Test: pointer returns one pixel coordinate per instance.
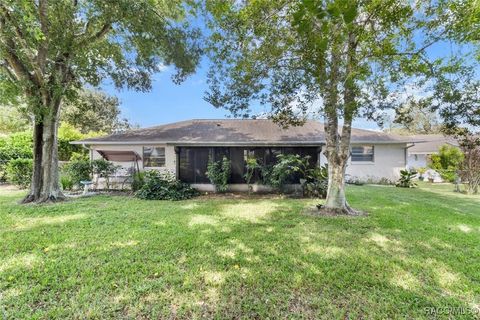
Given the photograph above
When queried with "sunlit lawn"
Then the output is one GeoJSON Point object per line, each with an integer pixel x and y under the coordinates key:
{"type": "Point", "coordinates": [118, 257]}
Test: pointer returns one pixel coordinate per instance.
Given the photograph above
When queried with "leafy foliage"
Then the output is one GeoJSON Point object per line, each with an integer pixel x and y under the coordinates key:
{"type": "Point", "coordinates": [164, 186]}
{"type": "Point", "coordinates": [447, 162]}
{"type": "Point", "coordinates": [406, 179]}
{"type": "Point", "coordinates": [13, 119]}
{"type": "Point", "coordinates": [219, 172]}
{"type": "Point", "coordinates": [415, 116]}
{"type": "Point", "coordinates": [104, 169]}
{"type": "Point", "coordinates": [252, 166]}
{"type": "Point", "coordinates": [51, 49]}
{"type": "Point", "coordinates": [338, 59]}
{"type": "Point", "coordinates": [287, 166]}
{"type": "Point", "coordinates": [316, 185]}
{"type": "Point", "coordinates": [19, 172]}
{"type": "Point", "coordinates": [66, 182]}
{"type": "Point", "coordinates": [76, 171]}
{"type": "Point", "coordinates": [94, 111]}
{"type": "Point", "coordinates": [138, 181]}
{"type": "Point", "coordinates": [14, 146]}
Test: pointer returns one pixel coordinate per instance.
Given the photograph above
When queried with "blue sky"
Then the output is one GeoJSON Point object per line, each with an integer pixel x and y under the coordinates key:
{"type": "Point", "coordinates": [168, 102]}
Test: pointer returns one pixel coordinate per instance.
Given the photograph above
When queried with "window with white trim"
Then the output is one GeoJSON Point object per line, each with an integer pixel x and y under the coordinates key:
{"type": "Point", "coordinates": [153, 157]}
{"type": "Point", "coordinates": [362, 153]}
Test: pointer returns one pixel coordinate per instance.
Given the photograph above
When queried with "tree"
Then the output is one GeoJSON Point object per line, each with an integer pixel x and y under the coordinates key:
{"type": "Point", "coordinates": [12, 119]}
{"type": "Point", "coordinates": [341, 59]}
{"type": "Point", "coordinates": [415, 116]}
{"type": "Point", "coordinates": [94, 111]}
{"type": "Point", "coordinates": [447, 162]}
{"type": "Point", "coordinates": [470, 167]}
{"type": "Point", "coordinates": [49, 49]}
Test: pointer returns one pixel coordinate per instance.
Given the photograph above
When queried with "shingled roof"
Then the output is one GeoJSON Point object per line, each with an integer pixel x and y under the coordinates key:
{"type": "Point", "coordinates": [230, 132]}
{"type": "Point", "coordinates": [430, 143]}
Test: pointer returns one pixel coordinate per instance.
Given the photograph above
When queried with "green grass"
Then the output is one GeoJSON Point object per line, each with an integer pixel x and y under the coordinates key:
{"type": "Point", "coordinates": [118, 257]}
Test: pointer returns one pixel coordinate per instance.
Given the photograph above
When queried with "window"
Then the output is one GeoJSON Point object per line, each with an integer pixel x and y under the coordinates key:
{"type": "Point", "coordinates": [362, 153]}
{"type": "Point", "coordinates": [153, 157]}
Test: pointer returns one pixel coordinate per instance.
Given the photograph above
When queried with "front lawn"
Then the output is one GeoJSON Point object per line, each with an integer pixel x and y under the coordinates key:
{"type": "Point", "coordinates": [118, 257]}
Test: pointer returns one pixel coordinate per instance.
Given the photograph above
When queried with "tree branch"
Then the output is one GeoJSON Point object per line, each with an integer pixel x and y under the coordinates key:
{"type": "Point", "coordinates": [11, 48]}
{"type": "Point", "coordinates": [43, 47]}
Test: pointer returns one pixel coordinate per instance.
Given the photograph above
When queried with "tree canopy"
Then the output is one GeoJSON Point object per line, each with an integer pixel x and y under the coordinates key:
{"type": "Point", "coordinates": [94, 110]}
{"type": "Point", "coordinates": [338, 59]}
{"type": "Point", "coordinates": [49, 49]}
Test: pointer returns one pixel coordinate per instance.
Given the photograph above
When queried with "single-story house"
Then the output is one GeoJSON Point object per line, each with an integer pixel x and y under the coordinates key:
{"type": "Point", "coordinates": [420, 153]}
{"type": "Point", "coordinates": [184, 148]}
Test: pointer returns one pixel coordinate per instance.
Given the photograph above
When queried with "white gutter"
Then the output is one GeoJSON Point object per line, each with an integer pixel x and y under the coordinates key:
{"type": "Point", "coordinates": [226, 144]}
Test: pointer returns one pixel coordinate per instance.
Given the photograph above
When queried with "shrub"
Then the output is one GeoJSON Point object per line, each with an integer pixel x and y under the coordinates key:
{"type": "Point", "coordinates": [104, 169]}
{"type": "Point", "coordinates": [447, 162]}
{"type": "Point", "coordinates": [14, 146]}
{"type": "Point", "coordinates": [219, 172]}
{"type": "Point", "coordinates": [164, 186]}
{"type": "Point", "coordinates": [286, 168]}
{"type": "Point", "coordinates": [66, 182]}
{"type": "Point", "coordinates": [19, 172]}
{"type": "Point", "coordinates": [251, 165]}
{"type": "Point", "coordinates": [66, 134]}
{"type": "Point", "coordinates": [138, 180]}
{"type": "Point", "coordinates": [77, 170]}
{"type": "Point", "coordinates": [406, 179]}
{"type": "Point", "coordinates": [316, 184]}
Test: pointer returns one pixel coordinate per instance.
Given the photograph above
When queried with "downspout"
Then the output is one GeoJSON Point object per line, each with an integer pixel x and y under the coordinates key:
{"type": "Point", "coordinates": [406, 152]}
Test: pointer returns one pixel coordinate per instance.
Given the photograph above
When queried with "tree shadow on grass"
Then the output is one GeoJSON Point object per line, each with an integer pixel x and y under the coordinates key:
{"type": "Point", "coordinates": [213, 259]}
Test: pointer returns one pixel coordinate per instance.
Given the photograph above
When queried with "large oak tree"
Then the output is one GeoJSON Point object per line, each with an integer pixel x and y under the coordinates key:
{"type": "Point", "coordinates": [338, 58]}
{"type": "Point", "coordinates": [50, 48]}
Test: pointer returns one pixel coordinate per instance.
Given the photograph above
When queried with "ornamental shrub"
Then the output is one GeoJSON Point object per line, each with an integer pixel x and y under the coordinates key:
{"type": "Point", "coordinates": [406, 179]}
{"type": "Point", "coordinates": [76, 171]}
{"type": "Point", "coordinates": [104, 169]}
{"type": "Point", "coordinates": [19, 172]}
{"type": "Point", "coordinates": [447, 162]}
{"type": "Point", "coordinates": [219, 172]}
{"type": "Point", "coordinates": [164, 186]}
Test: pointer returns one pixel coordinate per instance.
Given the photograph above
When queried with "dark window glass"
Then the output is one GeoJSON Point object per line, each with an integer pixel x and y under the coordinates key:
{"type": "Point", "coordinates": [362, 153]}
{"type": "Point", "coordinates": [153, 157]}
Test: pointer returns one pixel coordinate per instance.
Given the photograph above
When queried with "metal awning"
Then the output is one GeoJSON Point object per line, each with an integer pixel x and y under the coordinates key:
{"type": "Point", "coordinates": [119, 156]}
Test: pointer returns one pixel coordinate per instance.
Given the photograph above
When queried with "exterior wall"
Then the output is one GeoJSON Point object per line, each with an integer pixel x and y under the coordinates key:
{"type": "Point", "coordinates": [243, 187]}
{"type": "Point", "coordinates": [417, 160]}
{"type": "Point", "coordinates": [121, 179]}
{"type": "Point", "coordinates": [170, 157]}
{"type": "Point", "coordinates": [388, 160]}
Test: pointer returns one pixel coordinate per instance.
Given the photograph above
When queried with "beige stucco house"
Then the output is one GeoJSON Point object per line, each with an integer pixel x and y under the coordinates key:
{"type": "Point", "coordinates": [184, 148]}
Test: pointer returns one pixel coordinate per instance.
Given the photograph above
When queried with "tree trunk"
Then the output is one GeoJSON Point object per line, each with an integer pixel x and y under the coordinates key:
{"type": "Point", "coordinates": [336, 201]}
{"type": "Point", "coordinates": [338, 145]}
{"type": "Point", "coordinates": [336, 198]}
{"type": "Point", "coordinates": [45, 182]}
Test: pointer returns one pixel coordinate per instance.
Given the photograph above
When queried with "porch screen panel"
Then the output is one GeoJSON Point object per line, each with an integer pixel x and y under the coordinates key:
{"type": "Point", "coordinates": [237, 164]}
{"type": "Point", "coordinates": [201, 164]}
{"type": "Point", "coordinates": [186, 165]}
{"type": "Point", "coordinates": [193, 164]}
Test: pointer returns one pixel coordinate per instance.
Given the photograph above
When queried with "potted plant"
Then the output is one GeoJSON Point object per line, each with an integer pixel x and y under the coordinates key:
{"type": "Point", "coordinates": [421, 171]}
